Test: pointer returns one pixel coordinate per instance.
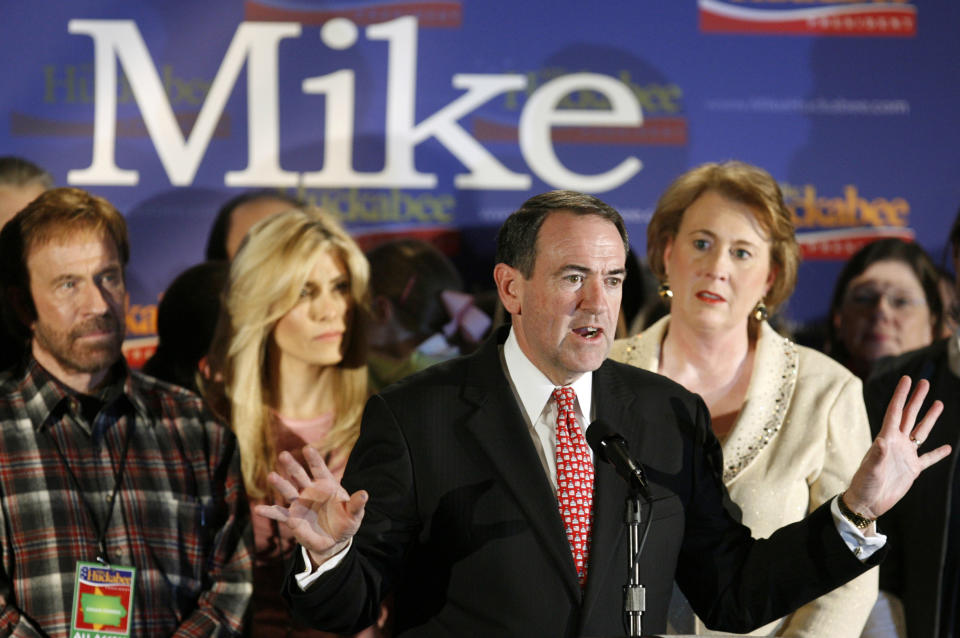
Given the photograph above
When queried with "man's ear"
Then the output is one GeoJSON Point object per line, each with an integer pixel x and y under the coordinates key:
{"type": "Point", "coordinates": [509, 287]}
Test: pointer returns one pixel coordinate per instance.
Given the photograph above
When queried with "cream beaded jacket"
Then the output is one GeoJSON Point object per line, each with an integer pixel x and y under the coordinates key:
{"type": "Point", "coordinates": [797, 441]}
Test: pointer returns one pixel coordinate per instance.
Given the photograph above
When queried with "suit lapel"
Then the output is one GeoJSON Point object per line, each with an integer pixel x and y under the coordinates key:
{"type": "Point", "coordinates": [501, 433]}
{"type": "Point", "coordinates": [942, 383]}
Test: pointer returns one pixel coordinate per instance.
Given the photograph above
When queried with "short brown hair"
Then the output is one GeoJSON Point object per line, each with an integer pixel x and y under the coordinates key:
{"type": "Point", "coordinates": [517, 237]}
{"type": "Point", "coordinates": [54, 215]}
{"type": "Point", "coordinates": [740, 182]}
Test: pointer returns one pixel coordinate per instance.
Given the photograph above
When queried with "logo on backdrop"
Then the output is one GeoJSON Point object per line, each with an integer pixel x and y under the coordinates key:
{"type": "Point", "coordinates": [664, 121]}
{"type": "Point", "coordinates": [833, 227]}
{"type": "Point", "coordinates": [879, 18]}
{"type": "Point", "coordinates": [256, 46]}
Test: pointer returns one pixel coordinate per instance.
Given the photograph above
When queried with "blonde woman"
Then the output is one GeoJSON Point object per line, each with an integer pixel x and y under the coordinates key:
{"type": "Point", "coordinates": [791, 421]}
{"type": "Point", "coordinates": [288, 363]}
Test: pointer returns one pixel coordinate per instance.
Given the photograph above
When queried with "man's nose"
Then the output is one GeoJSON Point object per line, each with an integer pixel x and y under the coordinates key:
{"type": "Point", "coordinates": [95, 300]}
{"type": "Point", "coordinates": [593, 297]}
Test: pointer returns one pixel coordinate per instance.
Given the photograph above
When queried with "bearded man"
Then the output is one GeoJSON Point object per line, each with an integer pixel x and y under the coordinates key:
{"type": "Point", "coordinates": [121, 500]}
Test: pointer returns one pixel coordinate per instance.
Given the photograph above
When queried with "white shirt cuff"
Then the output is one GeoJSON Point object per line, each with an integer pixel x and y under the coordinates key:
{"type": "Point", "coordinates": [863, 547]}
{"type": "Point", "coordinates": [308, 577]}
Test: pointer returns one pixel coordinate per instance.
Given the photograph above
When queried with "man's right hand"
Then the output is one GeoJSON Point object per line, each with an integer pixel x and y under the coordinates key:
{"type": "Point", "coordinates": [319, 512]}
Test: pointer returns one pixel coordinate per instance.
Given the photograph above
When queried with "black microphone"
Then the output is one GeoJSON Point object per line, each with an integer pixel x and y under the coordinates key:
{"type": "Point", "coordinates": [609, 446]}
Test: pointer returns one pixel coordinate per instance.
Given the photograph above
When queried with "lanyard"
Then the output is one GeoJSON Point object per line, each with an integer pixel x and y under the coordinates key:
{"type": "Point", "coordinates": [102, 557]}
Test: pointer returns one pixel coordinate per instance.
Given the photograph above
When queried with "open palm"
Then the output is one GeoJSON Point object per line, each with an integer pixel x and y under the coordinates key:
{"type": "Point", "coordinates": [319, 513]}
{"type": "Point", "coordinates": [893, 461]}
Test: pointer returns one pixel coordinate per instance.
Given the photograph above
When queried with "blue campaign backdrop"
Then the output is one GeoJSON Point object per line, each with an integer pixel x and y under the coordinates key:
{"type": "Point", "coordinates": [439, 118]}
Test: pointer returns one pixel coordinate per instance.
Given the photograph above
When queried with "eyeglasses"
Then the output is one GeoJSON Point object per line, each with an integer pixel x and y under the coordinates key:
{"type": "Point", "coordinates": [897, 300]}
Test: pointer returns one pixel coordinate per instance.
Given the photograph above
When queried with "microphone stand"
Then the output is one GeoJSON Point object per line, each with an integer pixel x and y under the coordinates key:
{"type": "Point", "coordinates": [634, 594]}
{"type": "Point", "coordinates": [612, 448]}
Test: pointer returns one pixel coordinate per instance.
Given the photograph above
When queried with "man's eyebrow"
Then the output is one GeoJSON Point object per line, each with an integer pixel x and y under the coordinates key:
{"type": "Point", "coordinates": [587, 271]}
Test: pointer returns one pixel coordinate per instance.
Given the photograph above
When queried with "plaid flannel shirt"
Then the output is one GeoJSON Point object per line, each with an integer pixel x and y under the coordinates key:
{"type": "Point", "coordinates": [181, 516]}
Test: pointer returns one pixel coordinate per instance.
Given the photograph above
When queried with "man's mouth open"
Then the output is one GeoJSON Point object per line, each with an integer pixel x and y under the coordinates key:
{"type": "Point", "coordinates": [588, 332]}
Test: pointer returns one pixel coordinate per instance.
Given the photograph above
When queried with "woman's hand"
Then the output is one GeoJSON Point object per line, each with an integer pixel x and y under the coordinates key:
{"type": "Point", "coordinates": [320, 514]}
{"type": "Point", "coordinates": [893, 462]}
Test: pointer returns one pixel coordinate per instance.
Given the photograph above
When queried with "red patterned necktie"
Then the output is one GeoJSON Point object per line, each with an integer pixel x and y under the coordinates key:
{"type": "Point", "coordinates": [574, 479]}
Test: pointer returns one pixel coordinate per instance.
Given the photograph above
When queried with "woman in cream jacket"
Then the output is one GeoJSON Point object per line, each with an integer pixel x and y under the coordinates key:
{"type": "Point", "coordinates": [791, 421]}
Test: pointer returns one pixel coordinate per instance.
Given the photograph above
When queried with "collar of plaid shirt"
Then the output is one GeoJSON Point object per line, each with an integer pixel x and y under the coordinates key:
{"type": "Point", "coordinates": [46, 398]}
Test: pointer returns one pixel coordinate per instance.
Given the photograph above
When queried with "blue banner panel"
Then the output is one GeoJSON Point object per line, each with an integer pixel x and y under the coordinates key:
{"type": "Point", "coordinates": [440, 118]}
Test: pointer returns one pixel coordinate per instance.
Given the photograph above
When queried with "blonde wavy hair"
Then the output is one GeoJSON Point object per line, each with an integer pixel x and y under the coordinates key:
{"type": "Point", "coordinates": [266, 278]}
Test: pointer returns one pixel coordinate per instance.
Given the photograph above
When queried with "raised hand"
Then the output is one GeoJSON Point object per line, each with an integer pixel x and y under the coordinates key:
{"type": "Point", "coordinates": [320, 514]}
{"type": "Point", "coordinates": [893, 462]}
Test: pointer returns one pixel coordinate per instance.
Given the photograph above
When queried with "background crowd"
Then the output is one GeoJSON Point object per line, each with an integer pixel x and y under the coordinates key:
{"type": "Point", "coordinates": [288, 327]}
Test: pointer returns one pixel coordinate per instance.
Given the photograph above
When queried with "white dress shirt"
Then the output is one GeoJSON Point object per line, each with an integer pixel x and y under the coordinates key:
{"type": "Point", "coordinates": [534, 392]}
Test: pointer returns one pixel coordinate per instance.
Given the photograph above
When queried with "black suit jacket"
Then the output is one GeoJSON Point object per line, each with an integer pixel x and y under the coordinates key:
{"type": "Point", "coordinates": [918, 526]}
{"type": "Point", "coordinates": [463, 526]}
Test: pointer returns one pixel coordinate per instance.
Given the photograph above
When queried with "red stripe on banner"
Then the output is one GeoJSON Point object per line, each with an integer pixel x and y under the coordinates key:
{"type": "Point", "coordinates": [137, 351]}
{"type": "Point", "coordinates": [445, 240]}
{"type": "Point", "coordinates": [886, 23]}
{"type": "Point", "coordinates": [440, 14]}
{"type": "Point", "coordinates": [655, 131]}
{"type": "Point", "coordinates": [844, 243]}
{"type": "Point", "coordinates": [24, 125]}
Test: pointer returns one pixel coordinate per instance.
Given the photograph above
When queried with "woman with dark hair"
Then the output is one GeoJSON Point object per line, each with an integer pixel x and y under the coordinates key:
{"type": "Point", "coordinates": [886, 302]}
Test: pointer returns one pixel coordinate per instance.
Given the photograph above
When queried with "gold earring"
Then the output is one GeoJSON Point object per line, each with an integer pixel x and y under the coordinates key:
{"type": "Point", "coordinates": [664, 291]}
{"type": "Point", "coordinates": [760, 311]}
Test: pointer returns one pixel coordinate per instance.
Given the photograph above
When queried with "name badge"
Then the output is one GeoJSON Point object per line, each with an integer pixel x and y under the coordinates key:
{"type": "Point", "coordinates": [102, 600]}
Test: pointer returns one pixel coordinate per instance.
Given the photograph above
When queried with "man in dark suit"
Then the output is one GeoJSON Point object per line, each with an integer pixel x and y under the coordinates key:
{"type": "Point", "coordinates": [460, 485]}
{"type": "Point", "coordinates": [923, 567]}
